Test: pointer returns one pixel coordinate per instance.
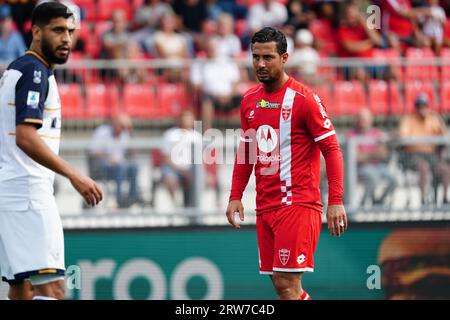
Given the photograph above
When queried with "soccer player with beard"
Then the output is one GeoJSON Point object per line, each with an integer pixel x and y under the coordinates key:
{"type": "Point", "coordinates": [31, 233]}
{"type": "Point", "coordinates": [285, 126]}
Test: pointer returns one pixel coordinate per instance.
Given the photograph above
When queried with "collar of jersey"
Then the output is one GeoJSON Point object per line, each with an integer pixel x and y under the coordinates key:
{"type": "Point", "coordinates": [280, 89]}
{"type": "Point", "coordinates": [39, 57]}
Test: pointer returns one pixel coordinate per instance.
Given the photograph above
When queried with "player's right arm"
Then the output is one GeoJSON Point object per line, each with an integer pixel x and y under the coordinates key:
{"type": "Point", "coordinates": [30, 98]}
{"type": "Point", "coordinates": [243, 167]}
{"type": "Point", "coordinates": [28, 140]}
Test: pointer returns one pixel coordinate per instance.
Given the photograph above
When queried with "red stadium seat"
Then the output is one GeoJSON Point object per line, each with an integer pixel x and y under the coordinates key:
{"type": "Point", "coordinates": [326, 70]}
{"type": "Point", "coordinates": [107, 7]}
{"type": "Point", "coordinates": [392, 58]}
{"type": "Point", "coordinates": [71, 101]}
{"type": "Point", "coordinates": [445, 68]}
{"type": "Point", "coordinates": [173, 98]}
{"type": "Point", "coordinates": [379, 97]}
{"type": "Point", "coordinates": [88, 9]}
{"type": "Point", "coordinates": [445, 96]}
{"type": "Point", "coordinates": [396, 103]}
{"type": "Point", "coordinates": [139, 100]}
{"type": "Point", "coordinates": [416, 68]}
{"type": "Point", "coordinates": [413, 89]}
{"type": "Point", "coordinates": [384, 97]}
{"type": "Point", "coordinates": [349, 97]}
{"type": "Point", "coordinates": [101, 100]}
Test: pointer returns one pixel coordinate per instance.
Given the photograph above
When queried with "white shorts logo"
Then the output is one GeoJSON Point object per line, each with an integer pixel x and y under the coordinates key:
{"type": "Point", "coordinates": [301, 258]}
{"type": "Point", "coordinates": [267, 138]}
{"type": "Point", "coordinates": [33, 99]}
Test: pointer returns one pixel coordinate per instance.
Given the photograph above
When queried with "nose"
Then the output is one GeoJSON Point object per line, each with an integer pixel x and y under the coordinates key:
{"type": "Point", "coordinates": [261, 63]}
{"type": "Point", "coordinates": [67, 38]}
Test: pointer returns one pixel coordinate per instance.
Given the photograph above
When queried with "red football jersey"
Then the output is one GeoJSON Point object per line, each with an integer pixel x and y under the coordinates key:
{"type": "Point", "coordinates": [392, 21]}
{"type": "Point", "coordinates": [283, 133]}
{"type": "Point", "coordinates": [354, 33]}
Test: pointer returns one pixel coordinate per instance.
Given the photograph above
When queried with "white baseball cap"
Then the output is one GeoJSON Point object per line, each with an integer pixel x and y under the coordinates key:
{"type": "Point", "coordinates": [304, 36]}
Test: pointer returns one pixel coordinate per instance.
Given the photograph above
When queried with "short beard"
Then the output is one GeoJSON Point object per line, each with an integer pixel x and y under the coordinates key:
{"type": "Point", "coordinates": [50, 55]}
{"type": "Point", "coordinates": [267, 80]}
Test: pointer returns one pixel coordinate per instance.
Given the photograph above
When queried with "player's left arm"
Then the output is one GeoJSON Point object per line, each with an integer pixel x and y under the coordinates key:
{"type": "Point", "coordinates": [323, 133]}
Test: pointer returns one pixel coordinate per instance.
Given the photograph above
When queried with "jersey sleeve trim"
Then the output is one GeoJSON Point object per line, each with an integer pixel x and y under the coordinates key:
{"type": "Point", "coordinates": [326, 135]}
{"type": "Point", "coordinates": [293, 270]}
{"type": "Point", "coordinates": [51, 109]}
{"type": "Point", "coordinates": [30, 120]}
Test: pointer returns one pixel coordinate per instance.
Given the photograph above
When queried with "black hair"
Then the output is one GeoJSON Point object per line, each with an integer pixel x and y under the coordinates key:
{"type": "Point", "coordinates": [47, 11]}
{"type": "Point", "coordinates": [269, 34]}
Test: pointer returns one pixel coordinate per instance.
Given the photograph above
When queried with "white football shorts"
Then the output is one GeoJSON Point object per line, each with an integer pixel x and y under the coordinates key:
{"type": "Point", "coordinates": [31, 240]}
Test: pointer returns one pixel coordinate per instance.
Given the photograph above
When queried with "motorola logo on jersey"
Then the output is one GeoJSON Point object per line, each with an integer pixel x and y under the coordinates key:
{"type": "Point", "coordinates": [267, 138]}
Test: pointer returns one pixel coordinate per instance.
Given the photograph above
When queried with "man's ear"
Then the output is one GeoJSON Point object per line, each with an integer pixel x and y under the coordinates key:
{"type": "Point", "coordinates": [284, 57]}
{"type": "Point", "coordinates": [36, 31]}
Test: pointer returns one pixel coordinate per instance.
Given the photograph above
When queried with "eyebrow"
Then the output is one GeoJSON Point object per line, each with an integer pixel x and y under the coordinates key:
{"type": "Point", "coordinates": [63, 27]}
{"type": "Point", "coordinates": [264, 54]}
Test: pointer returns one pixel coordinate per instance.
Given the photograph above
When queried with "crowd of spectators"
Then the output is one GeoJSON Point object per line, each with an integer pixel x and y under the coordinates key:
{"type": "Point", "coordinates": [402, 23]}
{"type": "Point", "coordinates": [179, 29]}
{"type": "Point", "coordinates": [220, 31]}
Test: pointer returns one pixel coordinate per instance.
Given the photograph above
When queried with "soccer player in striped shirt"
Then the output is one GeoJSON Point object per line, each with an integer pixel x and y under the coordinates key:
{"type": "Point", "coordinates": [31, 233]}
{"type": "Point", "coordinates": [285, 126]}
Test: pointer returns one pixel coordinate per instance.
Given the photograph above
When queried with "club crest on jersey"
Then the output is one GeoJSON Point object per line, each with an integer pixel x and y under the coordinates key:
{"type": "Point", "coordinates": [37, 77]}
{"type": "Point", "coordinates": [267, 105]}
{"type": "Point", "coordinates": [286, 113]}
{"type": "Point", "coordinates": [284, 256]}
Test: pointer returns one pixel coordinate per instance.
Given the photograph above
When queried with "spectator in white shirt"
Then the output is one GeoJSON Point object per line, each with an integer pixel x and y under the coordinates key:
{"type": "Point", "coordinates": [305, 58]}
{"type": "Point", "coordinates": [216, 81]}
{"type": "Point", "coordinates": [109, 158]}
{"type": "Point", "coordinates": [229, 44]}
{"type": "Point", "coordinates": [177, 150]}
{"type": "Point", "coordinates": [433, 20]}
{"type": "Point", "coordinates": [268, 13]}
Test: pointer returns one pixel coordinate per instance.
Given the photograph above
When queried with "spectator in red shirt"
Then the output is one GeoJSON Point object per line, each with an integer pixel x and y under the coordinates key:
{"type": "Point", "coordinates": [323, 28]}
{"type": "Point", "coordinates": [400, 25]}
{"type": "Point", "coordinates": [356, 40]}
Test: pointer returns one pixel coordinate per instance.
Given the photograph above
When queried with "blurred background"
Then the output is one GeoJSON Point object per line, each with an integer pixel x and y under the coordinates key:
{"type": "Point", "coordinates": [142, 71]}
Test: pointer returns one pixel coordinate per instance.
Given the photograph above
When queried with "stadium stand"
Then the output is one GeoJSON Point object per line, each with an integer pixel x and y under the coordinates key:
{"type": "Point", "coordinates": [92, 89]}
{"type": "Point", "coordinates": [349, 96]}
{"type": "Point", "coordinates": [139, 101]}
{"type": "Point", "coordinates": [72, 100]}
{"type": "Point", "coordinates": [102, 101]}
